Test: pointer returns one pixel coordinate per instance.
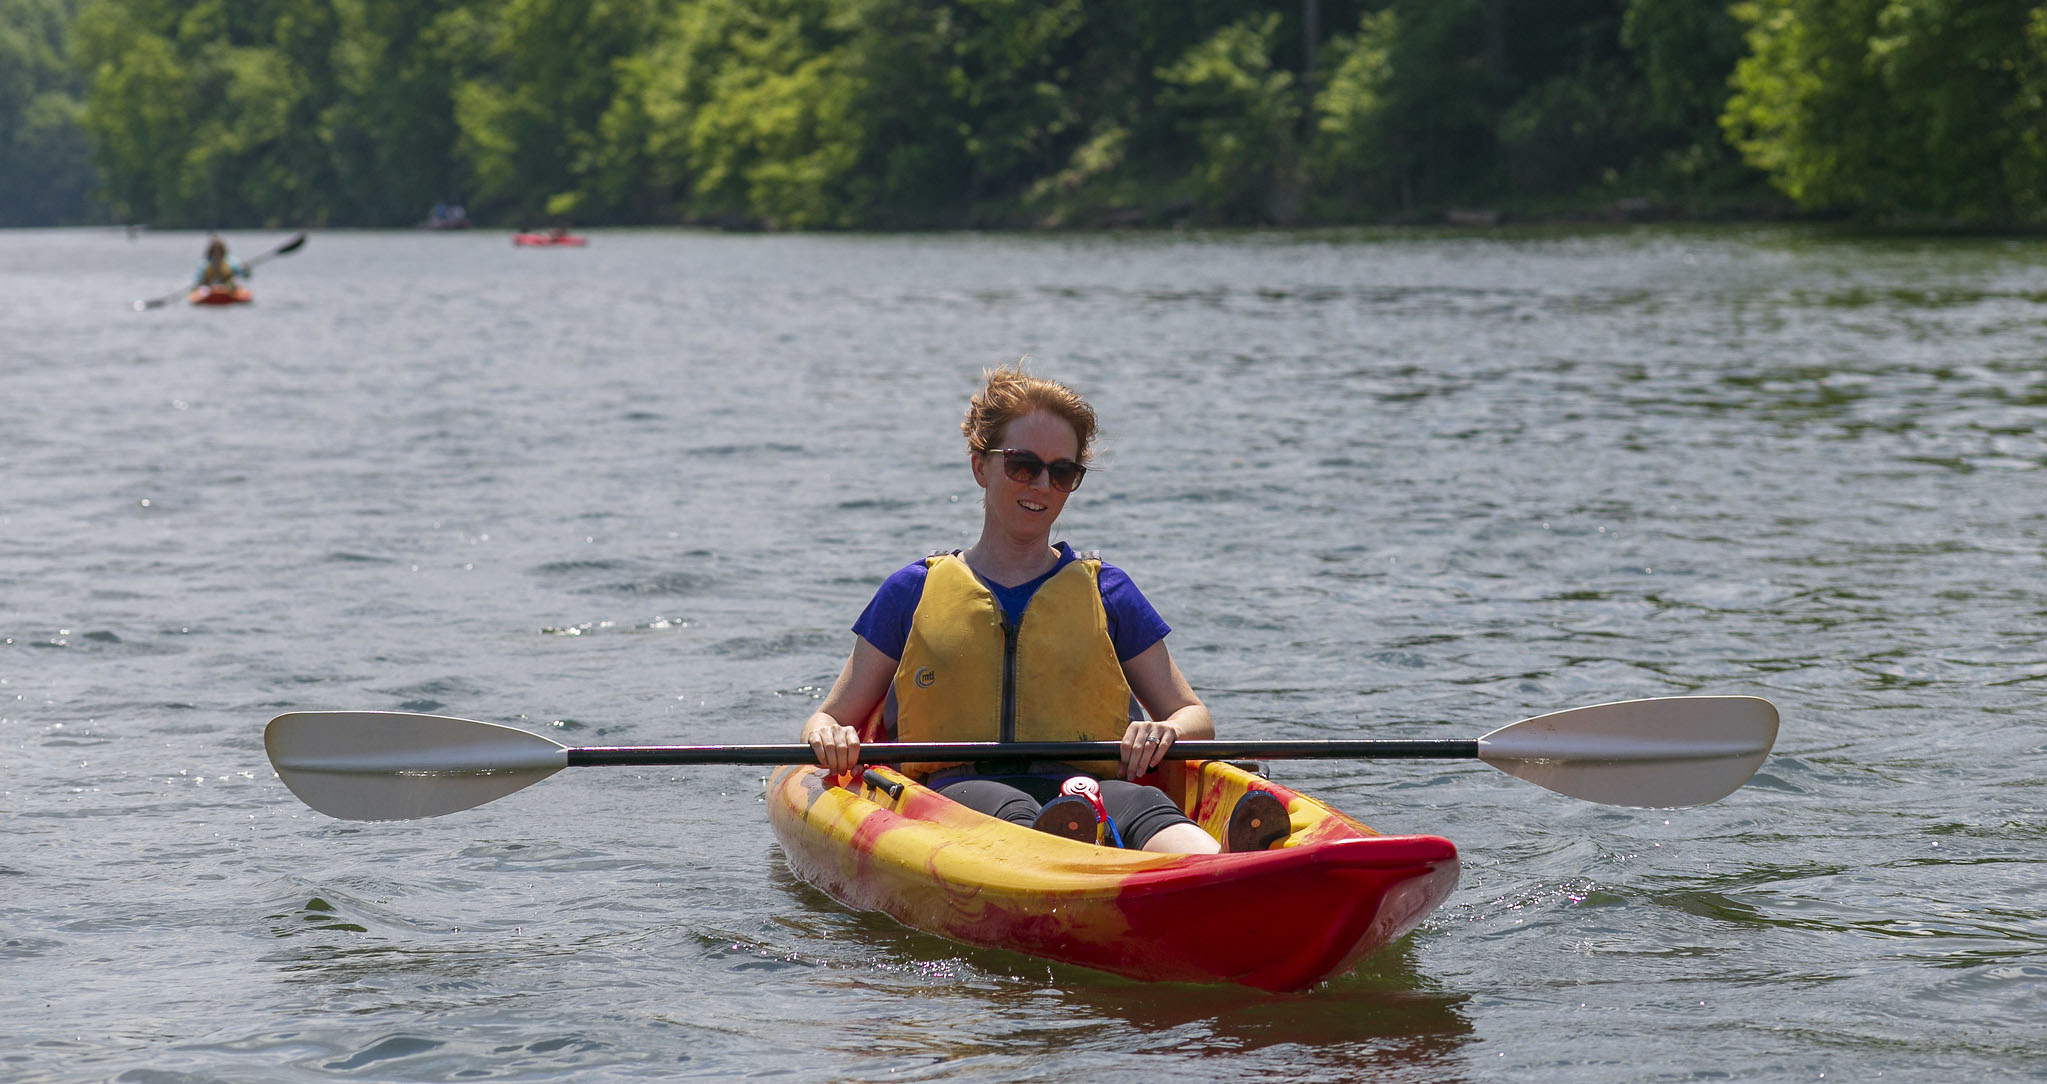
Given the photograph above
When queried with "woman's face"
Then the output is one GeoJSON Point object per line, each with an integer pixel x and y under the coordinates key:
{"type": "Point", "coordinates": [1027, 508]}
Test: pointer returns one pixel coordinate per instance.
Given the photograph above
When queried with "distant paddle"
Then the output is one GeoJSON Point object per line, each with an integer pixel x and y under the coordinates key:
{"type": "Point", "coordinates": [391, 765]}
{"type": "Point", "coordinates": [297, 242]}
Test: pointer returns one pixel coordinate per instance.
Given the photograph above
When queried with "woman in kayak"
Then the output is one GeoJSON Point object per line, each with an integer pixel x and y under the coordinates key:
{"type": "Point", "coordinates": [219, 270]}
{"type": "Point", "coordinates": [1020, 639]}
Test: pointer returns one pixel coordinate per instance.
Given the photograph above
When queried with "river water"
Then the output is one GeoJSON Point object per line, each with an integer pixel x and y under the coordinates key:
{"type": "Point", "coordinates": [1381, 484]}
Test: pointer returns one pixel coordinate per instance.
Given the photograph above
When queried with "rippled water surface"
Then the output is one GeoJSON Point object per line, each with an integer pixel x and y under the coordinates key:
{"type": "Point", "coordinates": [1397, 485]}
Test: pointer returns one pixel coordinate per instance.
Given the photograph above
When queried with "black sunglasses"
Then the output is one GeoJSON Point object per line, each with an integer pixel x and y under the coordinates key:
{"type": "Point", "coordinates": [1023, 467]}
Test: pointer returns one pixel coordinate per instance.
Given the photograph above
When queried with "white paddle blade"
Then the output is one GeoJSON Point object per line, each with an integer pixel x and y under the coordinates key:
{"type": "Point", "coordinates": [389, 765]}
{"type": "Point", "coordinates": [1669, 751]}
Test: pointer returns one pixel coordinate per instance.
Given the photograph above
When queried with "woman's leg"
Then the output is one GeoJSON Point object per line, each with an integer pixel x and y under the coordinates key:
{"type": "Point", "coordinates": [1149, 821]}
{"type": "Point", "coordinates": [1145, 818]}
{"type": "Point", "coordinates": [996, 799]}
{"type": "Point", "coordinates": [1071, 818]}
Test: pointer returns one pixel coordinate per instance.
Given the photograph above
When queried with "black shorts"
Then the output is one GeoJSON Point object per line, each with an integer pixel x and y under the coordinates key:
{"type": "Point", "coordinates": [1138, 812]}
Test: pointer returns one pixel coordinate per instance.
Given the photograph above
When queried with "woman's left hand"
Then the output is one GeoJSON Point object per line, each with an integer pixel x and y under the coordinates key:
{"type": "Point", "coordinates": [1144, 747]}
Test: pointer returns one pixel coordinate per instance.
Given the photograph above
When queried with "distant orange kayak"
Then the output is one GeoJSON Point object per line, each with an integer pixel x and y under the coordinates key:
{"type": "Point", "coordinates": [546, 240]}
{"type": "Point", "coordinates": [1283, 919]}
{"type": "Point", "coordinates": [219, 295]}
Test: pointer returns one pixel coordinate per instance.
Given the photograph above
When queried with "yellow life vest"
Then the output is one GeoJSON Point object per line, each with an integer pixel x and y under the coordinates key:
{"type": "Point", "coordinates": [218, 273]}
{"type": "Point", "coordinates": [967, 674]}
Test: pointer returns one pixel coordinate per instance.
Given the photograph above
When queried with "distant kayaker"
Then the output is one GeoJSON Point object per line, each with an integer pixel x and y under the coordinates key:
{"type": "Point", "coordinates": [220, 270]}
{"type": "Point", "coordinates": [1017, 638]}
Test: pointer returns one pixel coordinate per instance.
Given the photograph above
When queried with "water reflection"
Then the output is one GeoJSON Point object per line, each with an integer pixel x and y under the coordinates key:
{"type": "Point", "coordinates": [1383, 1015]}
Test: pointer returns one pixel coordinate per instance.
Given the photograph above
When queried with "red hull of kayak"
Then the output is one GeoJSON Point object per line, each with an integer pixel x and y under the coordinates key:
{"type": "Point", "coordinates": [543, 240]}
{"type": "Point", "coordinates": [214, 295]}
{"type": "Point", "coordinates": [1283, 919]}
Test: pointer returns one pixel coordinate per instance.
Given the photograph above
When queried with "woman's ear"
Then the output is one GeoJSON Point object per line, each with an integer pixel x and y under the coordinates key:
{"type": "Point", "coordinates": [979, 463]}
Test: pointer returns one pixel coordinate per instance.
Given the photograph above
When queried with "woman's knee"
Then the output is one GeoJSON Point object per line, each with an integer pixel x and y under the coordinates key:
{"type": "Point", "coordinates": [998, 800]}
{"type": "Point", "coordinates": [1140, 812]}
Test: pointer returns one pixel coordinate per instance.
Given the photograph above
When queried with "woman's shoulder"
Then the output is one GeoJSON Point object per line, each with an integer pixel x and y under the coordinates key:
{"type": "Point", "coordinates": [911, 575]}
{"type": "Point", "coordinates": [1116, 583]}
{"type": "Point", "coordinates": [885, 622]}
{"type": "Point", "coordinates": [1116, 586]}
{"type": "Point", "coordinates": [1105, 573]}
{"type": "Point", "coordinates": [1134, 624]}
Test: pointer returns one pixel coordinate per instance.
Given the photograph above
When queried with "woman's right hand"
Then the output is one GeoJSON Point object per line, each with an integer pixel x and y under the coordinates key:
{"type": "Point", "coordinates": [861, 685]}
{"type": "Point", "coordinates": [836, 747]}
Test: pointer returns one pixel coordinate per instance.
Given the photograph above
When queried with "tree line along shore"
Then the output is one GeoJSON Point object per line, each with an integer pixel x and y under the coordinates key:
{"type": "Point", "coordinates": [919, 114]}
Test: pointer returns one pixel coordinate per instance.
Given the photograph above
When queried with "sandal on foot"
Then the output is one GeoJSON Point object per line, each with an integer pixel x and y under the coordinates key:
{"type": "Point", "coordinates": [1071, 817]}
{"type": "Point", "coordinates": [1258, 821]}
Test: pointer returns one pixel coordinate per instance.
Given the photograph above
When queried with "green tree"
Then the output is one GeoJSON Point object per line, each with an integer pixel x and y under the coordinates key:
{"type": "Point", "coordinates": [1926, 110]}
{"type": "Point", "coordinates": [391, 122]}
{"type": "Point", "coordinates": [841, 112]}
{"type": "Point", "coordinates": [210, 113]}
{"type": "Point", "coordinates": [831, 113]}
{"type": "Point", "coordinates": [960, 102]}
{"type": "Point", "coordinates": [139, 102]}
{"type": "Point", "coordinates": [742, 112]}
{"type": "Point", "coordinates": [1115, 151]}
{"type": "Point", "coordinates": [46, 173]}
{"type": "Point", "coordinates": [1241, 113]}
{"type": "Point", "coordinates": [1574, 104]}
{"type": "Point", "coordinates": [1408, 111]}
{"type": "Point", "coordinates": [1686, 51]}
{"type": "Point", "coordinates": [531, 115]}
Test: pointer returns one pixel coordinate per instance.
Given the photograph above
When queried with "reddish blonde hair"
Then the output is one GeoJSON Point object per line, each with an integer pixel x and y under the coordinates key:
{"type": "Point", "coordinates": [1010, 393]}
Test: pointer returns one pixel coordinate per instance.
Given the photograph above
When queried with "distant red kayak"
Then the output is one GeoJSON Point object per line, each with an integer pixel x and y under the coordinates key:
{"type": "Point", "coordinates": [219, 295]}
{"type": "Point", "coordinates": [546, 240]}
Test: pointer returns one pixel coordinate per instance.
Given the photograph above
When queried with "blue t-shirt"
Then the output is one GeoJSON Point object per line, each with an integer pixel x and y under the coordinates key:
{"type": "Point", "coordinates": [1133, 624]}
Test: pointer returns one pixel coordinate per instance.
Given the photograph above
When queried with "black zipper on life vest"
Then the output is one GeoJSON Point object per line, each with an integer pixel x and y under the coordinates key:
{"type": "Point", "coordinates": [1007, 729]}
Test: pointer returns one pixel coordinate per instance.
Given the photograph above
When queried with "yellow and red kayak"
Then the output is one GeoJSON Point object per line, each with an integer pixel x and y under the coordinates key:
{"type": "Point", "coordinates": [1283, 919]}
{"type": "Point", "coordinates": [219, 295]}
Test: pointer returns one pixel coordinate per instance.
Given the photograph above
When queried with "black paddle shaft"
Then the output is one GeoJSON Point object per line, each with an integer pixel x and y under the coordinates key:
{"type": "Point", "coordinates": [898, 752]}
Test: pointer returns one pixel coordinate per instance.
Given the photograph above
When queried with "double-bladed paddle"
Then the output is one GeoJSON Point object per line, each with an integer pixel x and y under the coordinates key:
{"type": "Point", "coordinates": [390, 765]}
{"type": "Point", "coordinates": [297, 242]}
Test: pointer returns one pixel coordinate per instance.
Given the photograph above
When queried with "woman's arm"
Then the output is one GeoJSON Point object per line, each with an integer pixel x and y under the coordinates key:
{"type": "Point", "coordinates": [832, 731]}
{"type": "Point", "coordinates": [1174, 709]}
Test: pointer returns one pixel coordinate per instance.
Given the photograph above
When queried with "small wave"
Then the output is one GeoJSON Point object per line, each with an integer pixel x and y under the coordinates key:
{"type": "Point", "coordinates": [348, 557]}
